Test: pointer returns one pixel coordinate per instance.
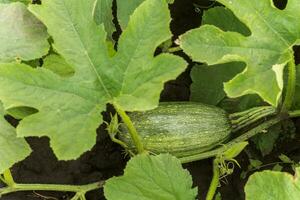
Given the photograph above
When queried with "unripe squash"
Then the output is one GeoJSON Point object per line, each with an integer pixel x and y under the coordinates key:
{"type": "Point", "coordinates": [179, 128]}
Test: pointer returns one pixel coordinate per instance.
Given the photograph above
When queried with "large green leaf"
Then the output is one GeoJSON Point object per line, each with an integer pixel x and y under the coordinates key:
{"type": "Point", "coordinates": [103, 14]}
{"type": "Point", "coordinates": [11, 1]}
{"type": "Point", "coordinates": [273, 185]}
{"type": "Point", "coordinates": [216, 75]}
{"type": "Point", "coordinates": [69, 108]}
{"type": "Point", "coordinates": [12, 149]}
{"type": "Point", "coordinates": [22, 36]}
{"type": "Point", "coordinates": [152, 177]}
{"type": "Point", "coordinates": [265, 52]}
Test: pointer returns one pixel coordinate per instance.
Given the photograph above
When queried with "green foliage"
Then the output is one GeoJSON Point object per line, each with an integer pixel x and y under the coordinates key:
{"type": "Point", "coordinates": [225, 20]}
{"type": "Point", "coordinates": [273, 186]}
{"type": "Point", "coordinates": [152, 177]}
{"type": "Point", "coordinates": [234, 150]}
{"type": "Point", "coordinates": [216, 75]}
{"type": "Point", "coordinates": [213, 92]}
{"type": "Point", "coordinates": [240, 104]}
{"type": "Point", "coordinates": [103, 15]}
{"type": "Point", "coordinates": [264, 58]}
{"type": "Point", "coordinates": [265, 142]}
{"type": "Point", "coordinates": [58, 65]}
{"type": "Point", "coordinates": [60, 91]}
{"type": "Point", "coordinates": [12, 149]}
{"type": "Point", "coordinates": [18, 24]}
{"type": "Point", "coordinates": [11, 1]}
{"type": "Point", "coordinates": [297, 93]}
{"type": "Point", "coordinates": [21, 112]}
{"type": "Point", "coordinates": [126, 8]}
{"type": "Point", "coordinates": [285, 158]}
{"type": "Point", "coordinates": [69, 108]}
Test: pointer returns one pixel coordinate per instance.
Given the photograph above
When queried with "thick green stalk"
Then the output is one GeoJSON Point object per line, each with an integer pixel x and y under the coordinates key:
{"type": "Point", "coordinates": [215, 180]}
{"type": "Point", "coordinates": [132, 131]}
{"type": "Point", "coordinates": [245, 117]}
{"type": "Point", "coordinates": [8, 178]}
{"type": "Point", "coordinates": [294, 113]}
{"type": "Point", "coordinates": [240, 115]}
{"type": "Point", "coordinates": [218, 151]}
{"type": "Point", "coordinates": [291, 85]}
{"type": "Point", "coordinates": [82, 189]}
{"type": "Point", "coordinates": [251, 118]}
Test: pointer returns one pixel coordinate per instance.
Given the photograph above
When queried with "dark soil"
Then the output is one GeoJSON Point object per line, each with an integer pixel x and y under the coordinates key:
{"type": "Point", "coordinates": [102, 162]}
{"type": "Point", "coordinates": [106, 159]}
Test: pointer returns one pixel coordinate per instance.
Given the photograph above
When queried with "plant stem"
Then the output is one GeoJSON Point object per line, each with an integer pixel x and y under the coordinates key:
{"type": "Point", "coordinates": [294, 113]}
{"type": "Point", "coordinates": [251, 118]}
{"type": "Point", "coordinates": [52, 187]}
{"type": "Point", "coordinates": [174, 49]}
{"type": "Point", "coordinates": [132, 131]}
{"type": "Point", "coordinates": [291, 85]}
{"type": "Point", "coordinates": [215, 180]}
{"type": "Point", "coordinates": [8, 178]}
{"type": "Point", "coordinates": [2, 179]}
{"type": "Point", "coordinates": [247, 112]}
{"type": "Point", "coordinates": [241, 138]}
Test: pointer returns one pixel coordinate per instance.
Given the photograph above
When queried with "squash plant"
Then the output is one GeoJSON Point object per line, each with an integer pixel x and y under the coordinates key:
{"type": "Point", "coordinates": [84, 69]}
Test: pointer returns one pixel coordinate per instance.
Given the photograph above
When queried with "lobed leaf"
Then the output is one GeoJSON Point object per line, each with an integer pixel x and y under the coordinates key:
{"type": "Point", "coordinates": [70, 107]}
{"type": "Point", "coordinates": [266, 51]}
{"type": "Point", "coordinates": [152, 177]}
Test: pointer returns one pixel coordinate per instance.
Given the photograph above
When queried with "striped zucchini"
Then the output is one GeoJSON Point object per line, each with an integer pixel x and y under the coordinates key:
{"type": "Point", "coordinates": [179, 128]}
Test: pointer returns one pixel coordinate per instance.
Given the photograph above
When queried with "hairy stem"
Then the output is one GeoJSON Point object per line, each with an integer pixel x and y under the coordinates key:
{"type": "Point", "coordinates": [215, 180]}
{"type": "Point", "coordinates": [241, 138]}
{"type": "Point", "coordinates": [291, 85]}
{"type": "Point", "coordinates": [52, 187]}
{"type": "Point", "coordinates": [132, 131]}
